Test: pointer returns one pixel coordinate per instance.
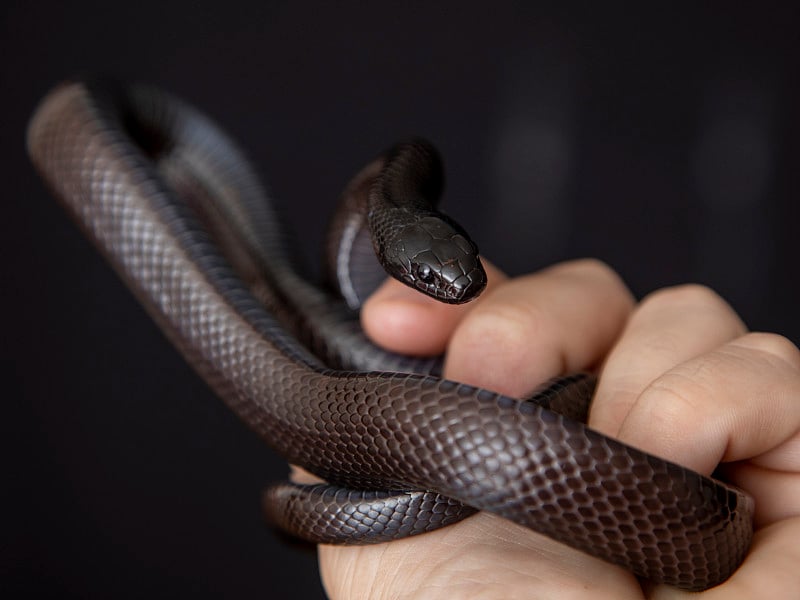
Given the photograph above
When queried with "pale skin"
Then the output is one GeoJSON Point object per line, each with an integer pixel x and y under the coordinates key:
{"type": "Point", "coordinates": [680, 377]}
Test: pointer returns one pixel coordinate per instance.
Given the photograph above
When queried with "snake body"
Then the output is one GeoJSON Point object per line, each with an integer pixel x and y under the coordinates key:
{"type": "Point", "coordinates": [173, 205]}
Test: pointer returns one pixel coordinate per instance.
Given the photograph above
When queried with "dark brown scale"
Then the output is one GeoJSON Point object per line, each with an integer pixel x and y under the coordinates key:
{"type": "Point", "coordinates": [312, 512]}
{"type": "Point", "coordinates": [367, 431]}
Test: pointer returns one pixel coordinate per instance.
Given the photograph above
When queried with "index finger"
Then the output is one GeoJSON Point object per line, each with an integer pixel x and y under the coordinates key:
{"type": "Point", "coordinates": [519, 333]}
{"type": "Point", "coordinates": [560, 320]}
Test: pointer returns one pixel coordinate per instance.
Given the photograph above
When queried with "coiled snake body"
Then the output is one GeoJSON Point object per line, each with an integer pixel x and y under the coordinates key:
{"type": "Point", "coordinates": [174, 206]}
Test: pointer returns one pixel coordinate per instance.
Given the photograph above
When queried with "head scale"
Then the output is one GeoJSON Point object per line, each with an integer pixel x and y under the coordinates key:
{"type": "Point", "coordinates": [434, 256]}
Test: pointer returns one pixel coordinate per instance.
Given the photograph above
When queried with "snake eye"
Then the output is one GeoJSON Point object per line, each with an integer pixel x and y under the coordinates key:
{"type": "Point", "coordinates": [425, 273]}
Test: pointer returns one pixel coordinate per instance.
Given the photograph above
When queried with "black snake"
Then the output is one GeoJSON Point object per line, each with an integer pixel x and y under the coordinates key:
{"type": "Point", "coordinates": [177, 210]}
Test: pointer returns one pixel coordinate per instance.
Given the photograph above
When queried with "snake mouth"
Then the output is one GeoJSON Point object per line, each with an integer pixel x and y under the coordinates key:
{"type": "Point", "coordinates": [460, 291]}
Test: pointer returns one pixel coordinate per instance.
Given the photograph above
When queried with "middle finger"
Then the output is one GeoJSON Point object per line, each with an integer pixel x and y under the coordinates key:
{"type": "Point", "coordinates": [669, 327]}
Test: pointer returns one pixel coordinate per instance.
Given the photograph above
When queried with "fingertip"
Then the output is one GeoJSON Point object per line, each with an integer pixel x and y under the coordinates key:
{"type": "Point", "coordinates": [401, 319]}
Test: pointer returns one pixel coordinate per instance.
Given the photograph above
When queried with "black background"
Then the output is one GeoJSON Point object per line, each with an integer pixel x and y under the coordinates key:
{"type": "Point", "coordinates": [664, 142]}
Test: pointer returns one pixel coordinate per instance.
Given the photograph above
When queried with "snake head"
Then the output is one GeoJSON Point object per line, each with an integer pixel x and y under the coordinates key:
{"type": "Point", "coordinates": [435, 256]}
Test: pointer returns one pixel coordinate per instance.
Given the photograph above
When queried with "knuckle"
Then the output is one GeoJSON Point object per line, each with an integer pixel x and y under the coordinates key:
{"type": "Point", "coordinates": [774, 344]}
{"type": "Point", "coordinates": [689, 295]}
{"type": "Point", "coordinates": [670, 400]}
{"type": "Point", "coordinates": [600, 280]}
{"type": "Point", "coordinates": [592, 267]}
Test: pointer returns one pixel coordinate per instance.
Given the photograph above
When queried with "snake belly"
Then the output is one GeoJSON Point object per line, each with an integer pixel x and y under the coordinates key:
{"type": "Point", "coordinates": [367, 431]}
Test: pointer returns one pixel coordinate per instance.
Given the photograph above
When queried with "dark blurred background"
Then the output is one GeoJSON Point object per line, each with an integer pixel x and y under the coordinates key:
{"type": "Point", "coordinates": [663, 141]}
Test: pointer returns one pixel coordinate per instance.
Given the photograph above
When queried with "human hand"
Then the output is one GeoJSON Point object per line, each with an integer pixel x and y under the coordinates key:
{"type": "Point", "coordinates": [680, 379]}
